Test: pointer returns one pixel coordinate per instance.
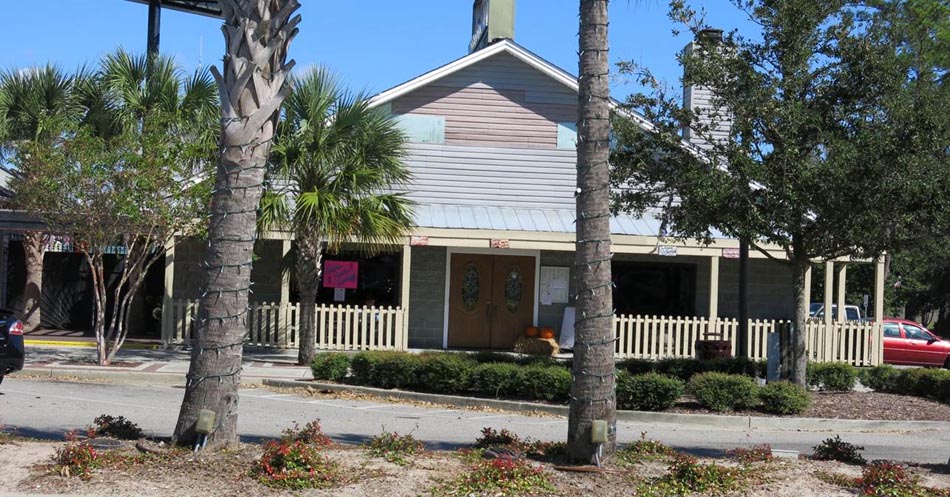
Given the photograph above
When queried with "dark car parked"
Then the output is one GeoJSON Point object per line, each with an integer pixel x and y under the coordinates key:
{"type": "Point", "coordinates": [11, 344]}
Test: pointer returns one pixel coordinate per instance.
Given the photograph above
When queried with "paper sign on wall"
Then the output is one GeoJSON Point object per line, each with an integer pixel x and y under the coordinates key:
{"type": "Point", "coordinates": [555, 285]}
{"type": "Point", "coordinates": [340, 274]}
{"type": "Point", "coordinates": [339, 294]}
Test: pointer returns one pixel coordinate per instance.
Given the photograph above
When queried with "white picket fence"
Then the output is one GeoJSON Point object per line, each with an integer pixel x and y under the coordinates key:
{"type": "Point", "coordinates": [276, 325]}
{"type": "Point", "coordinates": [662, 337]}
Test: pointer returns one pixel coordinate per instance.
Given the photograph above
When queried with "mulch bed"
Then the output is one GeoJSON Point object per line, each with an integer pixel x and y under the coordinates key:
{"type": "Point", "coordinates": [851, 405]}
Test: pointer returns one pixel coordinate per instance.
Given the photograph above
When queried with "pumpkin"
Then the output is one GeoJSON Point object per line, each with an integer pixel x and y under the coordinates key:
{"type": "Point", "coordinates": [547, 333]}
{"type": "Point", "coordinates": [531, 331]}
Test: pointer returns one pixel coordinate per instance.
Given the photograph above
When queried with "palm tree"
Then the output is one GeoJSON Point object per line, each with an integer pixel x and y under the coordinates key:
{"type": "Point", "coordinates": [34, 106]}
{"type": "Point", "coordinates": [252, 88]}
{"type": "Point", "coordinates": [592, 393]}
{"type": "Point", "coordinates": [335, 163]}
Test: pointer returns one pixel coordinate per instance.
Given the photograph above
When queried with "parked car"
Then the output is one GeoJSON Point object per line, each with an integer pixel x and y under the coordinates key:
{"type": "Point", "coordinates": [11, 343]}
{"type": "Point", "coordinates": [851, 312]}
{"type": "Point", "coordinates": [907, 342]}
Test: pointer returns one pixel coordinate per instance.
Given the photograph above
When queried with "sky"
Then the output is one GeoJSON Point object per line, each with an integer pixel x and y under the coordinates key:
{"type": "Point", "coordinates": [373, 45]}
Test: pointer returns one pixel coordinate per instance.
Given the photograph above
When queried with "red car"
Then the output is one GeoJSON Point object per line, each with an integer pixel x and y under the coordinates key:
{"type": "Point", "coordinates": [907, 342]}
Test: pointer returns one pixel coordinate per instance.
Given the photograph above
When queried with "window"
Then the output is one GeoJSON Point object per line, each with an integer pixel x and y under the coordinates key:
{"type": "Point", "coordinates": [912, 332]}
{"type": "Point", "coordinates": [852, 313]}
{"type": "Point", "coordinates": [892, 330]}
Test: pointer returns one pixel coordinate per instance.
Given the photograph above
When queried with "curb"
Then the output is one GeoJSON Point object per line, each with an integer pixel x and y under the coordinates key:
{"type": "Point", "coordinates": [130, 377]}
{"type": "Point", "coordinates": [696, 420]}
{"type": "Point", "coordinates": [85, 344]}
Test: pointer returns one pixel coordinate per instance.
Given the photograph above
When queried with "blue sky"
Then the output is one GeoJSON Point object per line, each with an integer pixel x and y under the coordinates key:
{"type": "Point", "coordinates": [371, 44]}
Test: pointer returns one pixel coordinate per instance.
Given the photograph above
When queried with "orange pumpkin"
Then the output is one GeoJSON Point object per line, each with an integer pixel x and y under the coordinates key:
{"type": "Point", "coordinates": [547, 333]}
{"type": "Point", "coordinates": [531, 331]}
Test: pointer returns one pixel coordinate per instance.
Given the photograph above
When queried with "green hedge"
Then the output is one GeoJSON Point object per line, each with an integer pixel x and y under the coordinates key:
{"type": "Point", "coordinates": [444, 372]}
{"type": "Point", "coordinates": [497, 379]}
{"type": "Point", "coordinates": [724, 392]}
{"type": "Point", "coordinates": [385, 369]}
{"type": "Point", "coordinates": [920, 382]}
{"type": "Point", "coordinates": [782, 397]}
{"type": "Point", "coordinates": [647, 392]}
{"type": "Point", "coordinates": [881, 378]}
{"type": "Point", "coordinates": [832, 376]}
{"type": "Point", "coordinates": [685, 369]}
{"type": "Point", "coordinates": [546, 383]}
{"type": "Point", "coordinates": [330, 366]}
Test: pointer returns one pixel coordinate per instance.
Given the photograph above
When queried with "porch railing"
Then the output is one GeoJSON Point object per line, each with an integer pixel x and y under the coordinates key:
{"type": "Point", "coordinates": [277, 325]}
{"type": "Point", "coordinates": [663, 337]}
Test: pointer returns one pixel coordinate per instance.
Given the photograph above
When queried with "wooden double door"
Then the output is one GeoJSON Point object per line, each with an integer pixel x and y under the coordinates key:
{"type": "Point", "coordinates": [491, 300]}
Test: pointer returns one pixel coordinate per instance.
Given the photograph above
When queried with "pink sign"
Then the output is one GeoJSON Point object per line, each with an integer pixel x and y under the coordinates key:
{"type": "Point", "coordinates": [340, 274]}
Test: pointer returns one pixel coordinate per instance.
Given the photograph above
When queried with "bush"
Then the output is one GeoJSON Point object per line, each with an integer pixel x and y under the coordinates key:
{"type": "Point", "coordinates": [724, 392]}
{"type": "Point", "coordinates": [756, 453]}
{"type": "Point", "coordinates": [834, 449]}
{"type": "Point", "coordinates": [444, 372]}
{"type": "Point", "coordinates": [116, 427]}
{"type": "Point", "coordinates": [782, 397]}
{"type": "Point", "coordinates": [330, 366]}
{"type": "Point", "coordinates": [311, 433]}
{"type": "Point", "coordinates": [545, 383]}
{"type": "Point", "coordinates": [295, 465]}
{"type": "Point", "coordinates": [497, 379]}
{"type": "Point", "coordinates": [886, 478]}
{"type": "Point", "coordinates": [385, 369]}
{"type": "Point", "coordinates": [76, 460]}
{"type": "Point", "coordinates": [943, 391]}
{"type": "Point", "coordinates": [881, 378]}
{"type": "Point", "coordinates": [833, 376]}
{"type": "Point", "coordinates": [685, 369]}
{"type": "Point", "coordinates": [394, 447]}
{"type": "Point", "coordinates": [502, 476]}
{"type": "Point", "coordinates": [920, 382]}
{"type": "Point", "coordinates": [647, 392]}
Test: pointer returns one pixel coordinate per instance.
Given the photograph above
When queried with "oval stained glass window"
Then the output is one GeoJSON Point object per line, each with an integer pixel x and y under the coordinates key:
{"type": "Point", "coordinates": [470, 287]}
{"type": "Point", "coordinates": [514, 288]}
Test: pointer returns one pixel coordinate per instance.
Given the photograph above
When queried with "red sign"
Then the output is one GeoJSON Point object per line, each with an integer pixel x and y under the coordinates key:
{"type": "Point", "coordinates": [501, 243]}
{"type": "Point", "coordinates": [730, 253]}
{"type": "Point", "coordinates": [340, 274]}
{"type": "Point", "coordinates": [418, 241]}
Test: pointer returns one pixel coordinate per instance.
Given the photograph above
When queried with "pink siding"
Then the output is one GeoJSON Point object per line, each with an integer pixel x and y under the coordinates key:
{"type": "Point", "coordinates": [480, 109]}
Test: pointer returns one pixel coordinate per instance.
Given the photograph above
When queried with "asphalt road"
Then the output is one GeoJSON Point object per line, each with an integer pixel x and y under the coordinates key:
{"type": "Point", "coordinates": [47, 409]}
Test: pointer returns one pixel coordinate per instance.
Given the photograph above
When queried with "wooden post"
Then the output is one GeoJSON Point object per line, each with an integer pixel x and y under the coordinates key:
{"type": "Point", "coordinates": [283, 308]}
{"type": "Point", "coordinates": [879, 289]}
{"type": "Point", "coordinates": [713, 289]}
{"type": "Point", "coordinates": [842, 283]}
{"type": "Point", "coordinates": [808, 284]}
{"type": "Point", "coordinates": [168, 326]}
{"type": "Point", "coordinates": [403, 342]}
{"type": "Point", "coordinates": [829, 283]}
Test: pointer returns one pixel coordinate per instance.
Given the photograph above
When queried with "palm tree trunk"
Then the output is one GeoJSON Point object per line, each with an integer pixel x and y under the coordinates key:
{"type": "Point", "coordinates": [592, 392]}
{"type": "Point", "coordinates": [257, 35]}
{"type": "Point", "coordinates": [33, 291]}
{"type": "Point", "coordinates": [309, 255]}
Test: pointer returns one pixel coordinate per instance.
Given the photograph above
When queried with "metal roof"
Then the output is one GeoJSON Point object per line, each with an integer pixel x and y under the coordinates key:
{"type": "Point", "coordinates": [203, 7]}
{"type": "Point", "coordinates": [519, 219]}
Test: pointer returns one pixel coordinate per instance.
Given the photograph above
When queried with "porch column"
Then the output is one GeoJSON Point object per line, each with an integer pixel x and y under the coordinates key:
{"type": "Point", "coordinates": [404, 296]}
{"type": "Point", "coordinates": [284, 315]}
{"type": "Point", "coordinates": [829, 283]}
{"type": "Point", "coordinates": [713, 289]}
{"type": "Point", "coordinates": [842, 283]}
{"type": "Point", "coordinates": [808, 285]}
{"type": "Point", "coordinates": [879, 289]}
{"type": "Point", "coordinates": [168, 326]}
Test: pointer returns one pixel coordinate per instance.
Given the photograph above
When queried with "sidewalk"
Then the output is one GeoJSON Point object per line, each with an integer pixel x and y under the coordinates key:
{"type": "Point", "coordinates": [150, 365]}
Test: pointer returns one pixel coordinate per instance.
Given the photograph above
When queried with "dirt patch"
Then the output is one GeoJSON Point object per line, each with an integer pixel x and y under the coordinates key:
{"type": "Point", "coordinates": [226, 473]}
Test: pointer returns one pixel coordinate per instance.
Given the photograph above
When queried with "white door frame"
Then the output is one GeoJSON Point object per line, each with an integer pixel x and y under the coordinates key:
{"type": "Point", "coordinates": [488, 251]}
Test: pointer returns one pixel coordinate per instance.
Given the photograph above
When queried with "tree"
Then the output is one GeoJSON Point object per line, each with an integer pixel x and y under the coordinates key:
{"type": "Point", "coordinates": [593, 395]}
{"type": "Point", "coordinates": [335, 162]}
{"type": "Point", "coordinates": [124, 178]}
{"type": "Point", "coordinates": [257, 35]}
{"type": "Point", "coordinates": [34, 103]}
{"type": "Point", "coordinates": [830, 125]}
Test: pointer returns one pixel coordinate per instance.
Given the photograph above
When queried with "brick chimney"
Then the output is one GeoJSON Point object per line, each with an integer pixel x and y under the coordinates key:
{"type": "Point", "coordinates": [700, 98]}
{"type": "Point", "coordinates": [492, 20]}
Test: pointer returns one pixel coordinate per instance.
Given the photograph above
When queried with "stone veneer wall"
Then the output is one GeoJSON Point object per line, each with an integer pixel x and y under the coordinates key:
{"type": "Point", "coordinates": [427, 297]}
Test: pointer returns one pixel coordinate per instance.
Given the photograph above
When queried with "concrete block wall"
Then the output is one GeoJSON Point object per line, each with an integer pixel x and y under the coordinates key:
{"type": "Point", "coordinates": [427, 297]}
{"type": "Point", "coordinates": [770, 289]}
{"type": "Point", "coordinates": [265, 274]}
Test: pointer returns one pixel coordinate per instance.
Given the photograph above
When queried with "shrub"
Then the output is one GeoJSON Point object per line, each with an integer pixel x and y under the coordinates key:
{"type": "Point", "coordinates": [920, 382]}
{"type": "Point", "coordinates": [385, 369]}
{"type": "Point", "coordinates": [756, 453]}
{"type": "Point", "coordinates": [834, 449]}
{"type": "Point", "coordinates": [546, 383]}
{"type": "Point", "coordinates": [311, 433]}
{"type": "Point", "coordinates": [724, 392]}
{"type": "Point", "coordinates": [687, 476]}
{"type": "Point", "coordinates": [644, 449]}
{"type": "Point", "coordinates": [497, 379]}
{"type": "Point", "coordinates": [782, 397]}
{"type": "Point", "coordinates": [887, 479]}
{"type": "Point", "coordinates": [444, 372]}
{"type": "Point", "coordinates": [487, 356]}
{"type": "Point", "coordinates": [533, 448]}
{"type": "Point", "coordinates": [76, 460]}
{"type": "Point", "coordinates": [943, 391]}
{"type": "Point", "coordinates": [295, 465]}
{"type": "Point", "coordinates": [647, 392]}
{"type": "Point", "coordinates": [116, 427]}
{"type": "Point", "coordinates": [330, 366]}
{"type": "Point", "coordinates": [637, 366]}
{"type": "Point", "coordinates": [685, 369]}
{"type": "Point", "coordinates": [881, 378]}
{"type": "Point", "coordinates": [502, 476]}
{"type": "Point", "coordinates": [394, 447]}
{"type": "Point", "coordinates": [833, 376]}
{"type": "Point", "coordinates": [493, 438]}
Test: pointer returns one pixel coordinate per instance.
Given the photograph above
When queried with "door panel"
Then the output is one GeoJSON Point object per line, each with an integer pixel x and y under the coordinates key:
{"type": "Point", "coordinates": [894, 350]}
{"type": "Point", "coordinates": [512, 308]}
{"type": "Point", "coordinates": [470, 293]}
{"type": "Point", "coordinates": [920, 349]}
